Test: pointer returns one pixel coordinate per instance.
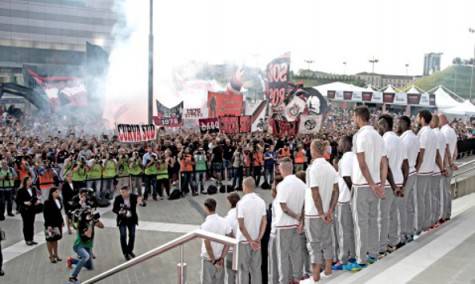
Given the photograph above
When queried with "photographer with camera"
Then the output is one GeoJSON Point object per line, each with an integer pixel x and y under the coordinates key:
{"type": "Point", "coordinates": [109, 175]}
{"type": "Point", "coordinates": [29, 205]}
{"type": "Point", "coordinates": [79, 173]}
{"type": "Point", "coordinates": [7, 180]}
{"type": "Point", "coordinates": [88, 221]}
{"type": "Point", "coordinates": [149, 162]}
{"type": "Point", "coordinates": [125, 206]}
{"type": "Point", "coordinates": [135, 171]}
{"type": "Point", "coordinates": [94, 174]}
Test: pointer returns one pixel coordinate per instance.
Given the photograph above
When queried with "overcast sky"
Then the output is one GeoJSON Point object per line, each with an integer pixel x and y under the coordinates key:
{"type": "Point", "coordinates": [329, 32]}
{"type": "Point", "coordinates": [252, 32]}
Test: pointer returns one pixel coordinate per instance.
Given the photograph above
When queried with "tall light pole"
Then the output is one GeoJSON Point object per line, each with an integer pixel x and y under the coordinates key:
{"type": "Point", "coordinates": [473, 65]}
{"type": "Point", "coordinates": [309, 62]}
{"type": "Point", "coordinates": [373, 61]}
{"type": "Point", "coordinates": [150, 66]}
{"type": "Point", "coordinates": [344, 67]}
{"type": "Point", "coordinates": [407, 69]}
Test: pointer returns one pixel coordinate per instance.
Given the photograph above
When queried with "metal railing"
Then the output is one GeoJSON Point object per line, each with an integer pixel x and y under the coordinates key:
{"type": "Point", "coordinates": [178, 242]}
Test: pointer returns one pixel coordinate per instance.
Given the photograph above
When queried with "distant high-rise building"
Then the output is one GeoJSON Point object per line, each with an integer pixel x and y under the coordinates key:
{"type": "Point", "coordinates": [431, 63]}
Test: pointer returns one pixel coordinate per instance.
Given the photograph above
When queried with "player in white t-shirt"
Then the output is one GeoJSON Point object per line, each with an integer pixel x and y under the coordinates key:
{"type": "Point", "coordinates": [321, 197]}
{"type": "Point", "coordinates": [231, 220]}
{"type": "Point", "coordinates": [344, 226]}
{"type": "Point", "coordinates": [440, 171]}
{"type": "Point", "coordinates": [289, 206]}
{"type": "Point", "coordinates": [389, 226]}
{"type": "Point", "coordinates": [407, 208]}
{"type": "Point", "coordinates": [451, 138]}
{"type": "Point", "coordinates": [424, 168]}
{"type": "Point", "coordinates": [252, 220]}
{"type": "Point", "coordinates": [369, 171]}
{"type": "Point", "coordinates": [213, 253]}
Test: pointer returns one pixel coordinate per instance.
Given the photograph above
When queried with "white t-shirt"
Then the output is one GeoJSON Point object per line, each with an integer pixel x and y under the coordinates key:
{"type": "Point", "coordinates": [214, 224]}
{"type": "Point", "coordinates": [411, 142]}
{"type": "Point", "coordinates": [451, 138]}
{"type": "Point", "coordinates": [441, 145]}
{"type": "Point", "coordinates": [291, 190]}
{"type": "Point", "coordinates": [369, 142]}
{"type": "Point", "coordinates": [396, 153]}
{"type": "Point", "coordinates": [428, 142]}
{"type": "Point", "coordinates": [345, 169]}
{"type": "Point", "coordinates": [251, 208]}
{"type": "Point", "coordinates": [322, 175]}
{"type": "Point", "coordinates": [231, 220]}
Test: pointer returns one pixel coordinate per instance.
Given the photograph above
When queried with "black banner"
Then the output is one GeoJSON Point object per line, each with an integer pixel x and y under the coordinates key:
{"type": "Point", "coordinates": [277, 79]}
{"type": "Point", "coordinates": [209, 125]}
{"type": "Point", "coordinates": [169, 117]}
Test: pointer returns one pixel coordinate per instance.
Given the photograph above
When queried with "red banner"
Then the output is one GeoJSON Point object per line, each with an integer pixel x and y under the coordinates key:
{"type": "Point", "coordinates": [388, 97]}
{"type": "Point", "coordinates": [347, 95]}
{"type": "Point", "coordinates": [331, 94]}
{"type": "Point", "coordinates": [222, 104]}
{"type": "Point", "coordinates": [283, 128]}
{"type": "Point", "coordinates": [413, 99]}
{"type": "Point", "coordinates": [245, 124]}
{"type": "Point", "coordinates": [366, 96]}
{"type": "Point", "coordinates": [432, 99]}
{"type": "Point", "coordinates": [229, 124]}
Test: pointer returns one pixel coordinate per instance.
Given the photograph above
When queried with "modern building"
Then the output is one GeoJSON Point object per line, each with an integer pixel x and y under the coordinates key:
{"type": "Point", "coordinates": [431, 63]}
{"type": "Point", "coordinates": [381, 80]}
{"type": "Point", "coordinates": [51, 34]}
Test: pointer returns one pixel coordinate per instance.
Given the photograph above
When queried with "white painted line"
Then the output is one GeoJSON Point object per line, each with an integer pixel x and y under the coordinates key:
{"type": "Point", "coordinates": [156, 226]}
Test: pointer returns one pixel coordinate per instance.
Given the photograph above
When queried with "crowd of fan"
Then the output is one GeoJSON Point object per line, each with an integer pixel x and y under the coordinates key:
{"type": "Point", "coordinates": [53, 150]}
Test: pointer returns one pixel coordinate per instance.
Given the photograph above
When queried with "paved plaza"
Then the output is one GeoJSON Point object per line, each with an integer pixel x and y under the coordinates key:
{"type": "Point", "coordinates": [441, 256]}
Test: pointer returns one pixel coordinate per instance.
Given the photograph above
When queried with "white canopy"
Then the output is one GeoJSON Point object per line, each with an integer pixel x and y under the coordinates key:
{"type": "Point", "coordinates": [389, 89]}
{"type": "Point", "coordinates": [336, 86]}
{"type": "Point", "coordinates": [413, 90]}
{"type": "Point", "coordinates": [444, 99]}
{"type": "Point", "coordinates": [463, 109]}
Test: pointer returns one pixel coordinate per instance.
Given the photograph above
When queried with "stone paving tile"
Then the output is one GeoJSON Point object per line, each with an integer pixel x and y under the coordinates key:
{"type": "Point", "coordinates": [34, 267]}
{"type": "Point", "coordinates": [13, 229]}
{"type": "Point", "coordinates": [457, 266]}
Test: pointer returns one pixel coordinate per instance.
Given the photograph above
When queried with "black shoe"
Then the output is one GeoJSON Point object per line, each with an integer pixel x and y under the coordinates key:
{"type": "Point", "coordinates": [11, 214]}
{"type": "Point", "coordinates": [2, 273]}
{"type": "Point", "coordinates": [194, 194]}
{"type": "Point", "coordinates": [2, 218]}
{"type": "Point", "coordinates": [131, 254]}
{"type": "Point", "coordinates": [155, 198]}
{"type": "Point", "coordinates": [127, 257]}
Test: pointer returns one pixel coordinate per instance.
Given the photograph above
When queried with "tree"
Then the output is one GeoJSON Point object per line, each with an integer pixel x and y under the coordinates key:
{"type": "Point", "coordinates": [457, 61]}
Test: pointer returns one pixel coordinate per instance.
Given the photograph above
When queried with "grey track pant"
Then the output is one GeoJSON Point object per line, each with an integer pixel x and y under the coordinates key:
{"type": "Point", "coordinates": [423, 209]}
{"type": "Point", "coordinates": [319, 238]}
{"type": "Point", "coordinates": [289, 254]}
{"type": "Point", "coordinates": [230, 274]}
{"type": "Point", "coordinates": [364, 206]}
{"type": "Point", "coordinates": [448, 195]}
{"type": "Point", "coordinates": [344, 228]}
{"type": "Point", "coordinates": [437, 198]}
{"type": "Point", "coordinates": [395, 235]}
{"type": "Point", "coordinates": [384, 207]}
{"type": "Point", "coordinates": [408, 222]}
{"type": "Point", "coordinates": [249, 265]}
{"type": "Point", "coordinates": [273, 268]}
{"type": "Point", "coordinates": [210, 274]}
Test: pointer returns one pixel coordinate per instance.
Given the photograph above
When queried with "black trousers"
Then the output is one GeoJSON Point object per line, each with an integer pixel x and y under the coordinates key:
{"type": "Point", "coordinates": [6, 201]}
{"type": "Point", "coordinates": [163, 184]}
{"type": "Point", "coordinates": [28, 218]}
{"type": "Point", "coordinates": [150, 185]}
{"type": "Point", "coordinates": [127, 246]}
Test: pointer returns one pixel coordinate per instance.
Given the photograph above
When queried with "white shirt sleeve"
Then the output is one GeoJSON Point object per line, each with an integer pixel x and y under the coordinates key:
{"type": "Point", "coordinates": [347, 166]}
{"type": "Point", "coordinates": [239, 211]}
{"type": "Point", "coordinates": [360, 144]}
{"type": "Point", "coordinates": [282, 194]}
{"type": "Point", "coordinates": [263, 209]}
{"type": "Point", "coordinates": [423, 141]}
{"type": "Point", "coordinates": [313, 181]}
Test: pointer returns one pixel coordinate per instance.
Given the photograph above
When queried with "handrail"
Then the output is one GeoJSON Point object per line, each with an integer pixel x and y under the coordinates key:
{"type": "Point", "coordinates": [168, 246]}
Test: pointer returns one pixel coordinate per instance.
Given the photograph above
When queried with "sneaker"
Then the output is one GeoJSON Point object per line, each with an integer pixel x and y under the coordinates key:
{"type": "Point", "coordinates": [11, 214]}
{"type": "Point", "coordinates": [354, 267]}
{"type": "Point", "coordinates": [371, 260]}
{"type": "Point", "coordinates": [69, 262]}
{"type": "Point", "coordinates": [338, 266]}
{"type": "Point", "coordinates": [323, 275]}
{"type": "Point", "coordinates": [2, 218]}
{"type": "Point", "coordinates": [308, 281]}
{"type": "Point", "coordinates": [2, 273]}
{"type": "Point", "coordinates": [352, 260]}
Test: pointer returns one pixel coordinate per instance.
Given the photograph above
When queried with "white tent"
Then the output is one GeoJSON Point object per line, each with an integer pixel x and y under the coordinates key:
{"type": "Point", "coordinates": [413, 90]}
{"type": "Point", "coordinates": [463, 109]}
{"type": "Point", "coordinates": [389, 89]}
{"type": "Point", "coordinates": [338, 86]}
{"type": "Point", "coordinates": [445, 99]}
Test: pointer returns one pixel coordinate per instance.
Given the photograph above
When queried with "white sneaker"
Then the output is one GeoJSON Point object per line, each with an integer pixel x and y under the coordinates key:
{"type": "Point", "coordinates": [325, 276]}
{"type": "Point", "coordinates": [308, 281]}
